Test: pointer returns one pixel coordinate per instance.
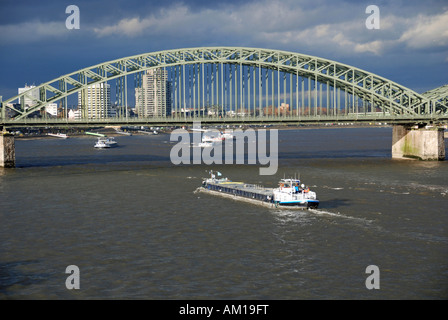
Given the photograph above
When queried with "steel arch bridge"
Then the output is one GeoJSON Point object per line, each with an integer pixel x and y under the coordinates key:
{"type": "Point", "coordinates": [247, 84]}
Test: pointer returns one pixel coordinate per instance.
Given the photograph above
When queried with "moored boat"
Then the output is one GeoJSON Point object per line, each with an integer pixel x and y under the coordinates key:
{"type": "Point", "coordinates": [58, 135]}
{"type": "Point", "coordinates": [124, 133]}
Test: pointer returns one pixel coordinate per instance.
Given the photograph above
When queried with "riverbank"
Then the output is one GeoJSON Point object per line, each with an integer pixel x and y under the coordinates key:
{"type": "Point", "coordinates": [33, 133]}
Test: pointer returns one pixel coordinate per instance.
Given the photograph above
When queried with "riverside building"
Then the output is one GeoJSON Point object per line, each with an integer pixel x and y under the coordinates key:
{"type": "Point", "coordinates": [153, 97]}
{"type": "Point", "coordinates": [94, 101]}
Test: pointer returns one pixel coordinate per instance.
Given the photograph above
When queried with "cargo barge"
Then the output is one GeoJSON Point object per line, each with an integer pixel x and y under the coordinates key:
{"type": "Point", "coordinates": [290, 193]}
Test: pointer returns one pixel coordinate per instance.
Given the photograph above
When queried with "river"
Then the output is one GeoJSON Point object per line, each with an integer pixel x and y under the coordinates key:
{"type": "Point", "coordinates": [132, 223]}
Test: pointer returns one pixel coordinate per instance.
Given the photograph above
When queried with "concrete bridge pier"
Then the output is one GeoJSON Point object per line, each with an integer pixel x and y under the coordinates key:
{"type": "Point", "coordinates": [7, 150]}
{"type": "Point", "coordinates": [411, 142]}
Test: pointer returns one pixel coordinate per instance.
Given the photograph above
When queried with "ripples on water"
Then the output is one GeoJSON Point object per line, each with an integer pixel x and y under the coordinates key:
{"type": "Point", "coordinates": [135, 227]}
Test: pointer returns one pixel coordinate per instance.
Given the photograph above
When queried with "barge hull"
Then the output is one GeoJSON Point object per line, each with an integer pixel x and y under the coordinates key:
{"type": "Point", "coordinates": [235, 197]}
{"type": "Point", "coordinates": [268, 204]}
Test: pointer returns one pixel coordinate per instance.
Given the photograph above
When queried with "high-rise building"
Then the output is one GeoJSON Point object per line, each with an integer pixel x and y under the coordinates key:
{"type": "Point", "coordinates": [153, 98]}
{"type": "Point", "coordinates": [74, 114]}
{"type": "Point", "coordinates": [94, 101]}
{"type": "Point", "coordinates": [52, 108]}
{"type": "Point", "coordinates": [33, 93]}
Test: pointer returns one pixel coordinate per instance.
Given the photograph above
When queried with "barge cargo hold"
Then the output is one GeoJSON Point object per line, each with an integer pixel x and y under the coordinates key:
{"type": "Point", "coordinates": [289, 194]}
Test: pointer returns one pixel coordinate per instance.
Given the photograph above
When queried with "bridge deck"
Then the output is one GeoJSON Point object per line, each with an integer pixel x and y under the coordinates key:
{"type": "Point", "coordinates": [173, 121]}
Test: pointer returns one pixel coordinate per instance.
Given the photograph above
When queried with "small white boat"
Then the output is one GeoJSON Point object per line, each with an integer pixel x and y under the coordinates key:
{"type": "Point", "coordinates": [205, 144]}
{"type": "Point", "coordinates": [111, 142]}
{"type": "Point", "coordinates": [101, 144]}
{"type": "Point", "coordinates": [106, 143]}
{"type": "Point", "coordinates": [211, 139]}
{"type": "Point", "coordinates": [58, 135]}
{"type": "Point", "coordinates": [212, 136]}
{"type": "Point", "coordinates": [227, 136]}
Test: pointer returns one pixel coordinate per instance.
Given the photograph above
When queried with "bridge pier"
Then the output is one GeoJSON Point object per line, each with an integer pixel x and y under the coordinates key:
{"type": "Point", "coordinates": [7, 150]}
{"type": "Point", "coordinates": [418, 143]}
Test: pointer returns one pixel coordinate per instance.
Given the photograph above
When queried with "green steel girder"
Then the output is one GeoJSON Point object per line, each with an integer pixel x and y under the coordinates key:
{"type": "Point", "coordinates": [439, 94]}
{"type": "Point", "coordinates": [386, 94]}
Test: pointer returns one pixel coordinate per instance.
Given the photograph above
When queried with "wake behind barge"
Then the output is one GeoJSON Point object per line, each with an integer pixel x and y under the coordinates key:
{"type": "Point", "coordinates": [289, 194]}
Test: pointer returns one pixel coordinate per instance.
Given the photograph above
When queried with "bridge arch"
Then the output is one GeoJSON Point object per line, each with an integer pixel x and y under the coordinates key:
{"type": "Point", "coordinates": [381, 93]}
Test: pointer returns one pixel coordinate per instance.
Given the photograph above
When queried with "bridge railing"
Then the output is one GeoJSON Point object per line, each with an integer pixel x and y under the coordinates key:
{"type": "Point", "coordinates": [263, 120]}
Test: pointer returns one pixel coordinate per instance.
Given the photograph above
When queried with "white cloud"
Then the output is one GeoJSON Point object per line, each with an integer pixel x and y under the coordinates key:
{"type": "Point", "coordinates": [375, 47]}
{"type": "Point", "coordinates": [285, 23]}
{"type": "Point", "coordinates": [427, 31]}
{"type": "Point", "coordinates": [247, 19]}
{"type": "Point", "coordinates": [32, 31]}
{"type": "Point", "coordinates": [130, 27]}
{"type": "Point", "coordinates": [339, 37]}
{"type": "Point", "coordinates": [164, 19]}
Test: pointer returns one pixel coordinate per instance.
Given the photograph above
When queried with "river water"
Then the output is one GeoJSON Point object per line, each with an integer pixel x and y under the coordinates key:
{"type": "Point", "coordinates": [132, 223]}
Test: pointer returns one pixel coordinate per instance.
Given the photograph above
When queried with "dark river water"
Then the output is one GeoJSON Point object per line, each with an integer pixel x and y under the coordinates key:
{"type": "Point", "coordinates": [133, 224]}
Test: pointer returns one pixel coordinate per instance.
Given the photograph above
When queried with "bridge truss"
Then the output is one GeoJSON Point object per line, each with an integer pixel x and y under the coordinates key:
{"type": "Point", "coordinates": [237, 84]}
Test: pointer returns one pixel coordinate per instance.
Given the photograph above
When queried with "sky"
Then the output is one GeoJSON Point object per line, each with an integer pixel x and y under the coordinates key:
{"type": "Point", "coordinates": [410, 47]}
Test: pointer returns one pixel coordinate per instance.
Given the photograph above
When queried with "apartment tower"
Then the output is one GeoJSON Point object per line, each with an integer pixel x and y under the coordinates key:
{"type": "Point", "coordinates": [153, 97]}
{"type": "Point", "coordinates": [94, 101]}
